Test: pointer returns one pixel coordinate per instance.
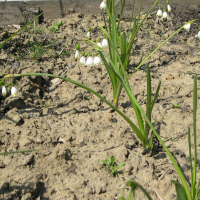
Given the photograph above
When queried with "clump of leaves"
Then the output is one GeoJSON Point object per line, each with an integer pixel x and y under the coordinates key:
{"type": "Point", "coordinates": [56, 27]}
{"type": "Point", "coordinates": [110, 165]}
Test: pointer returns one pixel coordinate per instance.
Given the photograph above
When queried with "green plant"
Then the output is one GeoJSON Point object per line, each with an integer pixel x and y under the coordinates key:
{"type": "Point", "coordinates": [36, 50]}
{"type": "Point", "coordinates": [110, 165]}
{"type": "Point", "coordinates": [134, 185]}
{"type": "Point", "coordinates": [190, 72]}
{"type": "Point", "coordinates": [120, 57]}
{"type": "Point", "coordinates": [24, 151]}
{"type": "Point", "coordinates": [120, 74]}
{"type": "Point", "coordinates": [55, 28]}
{"type": "Point", "coordinates": [184, 191]}
{"type": "Point", "coordinates": [89, 20]}
{"type": "Point", "coordinates": [175, 105]}
{"type": "Point", "coordinates": [86, 97]}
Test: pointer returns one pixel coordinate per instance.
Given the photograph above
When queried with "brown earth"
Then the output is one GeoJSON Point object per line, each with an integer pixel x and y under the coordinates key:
{"type": "Point", "coordinates": [76, 130]}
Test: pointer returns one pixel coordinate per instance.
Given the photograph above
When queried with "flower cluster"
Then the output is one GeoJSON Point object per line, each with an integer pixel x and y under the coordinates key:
{"type": "Point", "coordinates": [4, 91]}
{"type": "Point", "coordinates": [90, 61]}
{"type": "Point", "coordinates": [164, 14]}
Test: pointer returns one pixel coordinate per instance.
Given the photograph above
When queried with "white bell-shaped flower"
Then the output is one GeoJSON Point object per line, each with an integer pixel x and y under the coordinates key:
{"type": "Point", "coordinates": [104, 43]}
{"type": "Point", "coordinates": [13, 91]}
{"type": "Point", "coordinates": [187, 27]}
{"type": "Point", "coordinates": [97, 60]}
{"type": "Point", "coordinates": [103, 5]}
{"type": "Point", "coordinates": [90, 61]}
{"type": "Point", "coordinates": [159, 13]}
{"type": "Point", "coordinates": [4, 92]}
{"type": "Point", "coordinates": [164, 15]}
{"type": "Point", "coordinates": [88, 35]}
{"type": "Point", "coordinates": [169, 8]}
{"type": "Point", "coordinates": [82, 60]}
{"type": "Point", "coordinates": [198, 35]}
{"type": "Point", "coordinates": [76, 54]}
{"type": "Point", "coordinates": [99, 44]}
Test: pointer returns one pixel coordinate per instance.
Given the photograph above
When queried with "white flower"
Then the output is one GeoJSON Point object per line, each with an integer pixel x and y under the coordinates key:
{"type": "Point", "coordinates": [13, 91]}
{"type": "Point", "coordinates": [164, 15]}
{"type": "Point", "coordinates": [4, 92]}
{"type": "Point", "coordinates": [99, 44]}
{"type": "Point", "coordinates": [168, 8]}
{"type": "Point", "coordinates": [88, 34]}
{"type": "Point", "coordinates": [105, 43]}
{"type": "Point", "coordinates": [82, 60]}
{"type": "Point", "coordinates": [159, 13]}
{"type": "Point", "coordinates": [76, 54]}
{"type": "Point", "coordinates": [197, 36]}
{"type": "Point", "coordinates": [97, 60]}
{"type": "Point", "coordinates": [102, 5]}
{"type": "Point", "coordinates": [187, 27]}
{"type": "Point", "coordinates": [89, 61]}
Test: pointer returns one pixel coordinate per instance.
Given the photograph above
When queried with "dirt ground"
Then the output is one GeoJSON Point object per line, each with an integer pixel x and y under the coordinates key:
{"type": "Point", "coordinates": [75, 130]}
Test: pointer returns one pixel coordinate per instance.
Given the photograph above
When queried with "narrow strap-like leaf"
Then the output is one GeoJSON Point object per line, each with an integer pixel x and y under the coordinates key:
{"type": "Point", "coordinates": [180, 191]}
{"type": "Point", "coordinates": [193, 184]}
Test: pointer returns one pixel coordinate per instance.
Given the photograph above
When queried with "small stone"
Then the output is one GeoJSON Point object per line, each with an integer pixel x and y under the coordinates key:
{"type": "Point", "coordinates": [2, 165]}
{"type": "Point", "coordinates": [170, 77]}
{"type": "Point", "coordinates": [27, 160]}
{"type": "Point", "coordinates": [27, 197]}
{"type": "Point", "coordinates": [113, 120]}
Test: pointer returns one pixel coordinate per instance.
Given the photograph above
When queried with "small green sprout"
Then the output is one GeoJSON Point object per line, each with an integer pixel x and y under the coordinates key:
{"type": "Point", "coordinates": [175, 105]}
{"type": "Point", "coordinates": [87, 97]}
{"type": "Point", "coordinates": [110, 165]}
{"type": "Point", "coordinates": [89, 20]}
{"type": "Point", "coordinates": [55, 28]}
{"type": "Point", "coordinates": [190, 72]}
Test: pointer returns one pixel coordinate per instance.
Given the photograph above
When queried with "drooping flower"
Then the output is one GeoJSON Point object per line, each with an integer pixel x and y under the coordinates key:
{"type": "Point", "coordinates": [164, 15]}
{"type": "Point", "coordinates": [90, 61]}
{"type": "Point", "coordinates": [76, 54]}
{"type": "Point", "coordinates": [98, 43]}
{"type": "Point", "coordinates": [103, 5]}
{"type": "Point", "coordinates": [88, 33]}
{"type": "Point", "coordinates": [159, 13]}
{"type": "Point", "coordinates": [168, 8]}
{"type": "Point", "coordinates": [77, 51]}
{"type": "Point", "coordinates": [104, 42]}
{"type": "Point", "coordinates": [4, 92]}
{"type": "Point", "coordinates": [97, 60]}
{"type": "Point", "coordinates": [198, 35]}
{"type": "Point", "coordinates": [187, 27]}
{"type": "Point", "coordinates": [82, 60]}
{"type": "Point", "coordinates": [13, 91]}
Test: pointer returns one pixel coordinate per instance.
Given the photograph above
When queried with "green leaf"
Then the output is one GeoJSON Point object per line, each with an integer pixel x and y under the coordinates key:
{"type": "Point", "coordinates": [121, 198]}
{"type": "Point", "coordinates": [118, 166]}
{"type": "Point", "coordinates": [104, 162]}
{"type": "Point", "coordinates": [180, 191]}
{"type": "Point", "coordinates": [134, 185]}
{"type": "Point", "coordinates": [114, 172]}
{"type": "Point", "coordinates": [58, 24]}
{"type": "Point", "coordinates": [24, 151]}
{"type": "Point", "coordinates": [112, 160]}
